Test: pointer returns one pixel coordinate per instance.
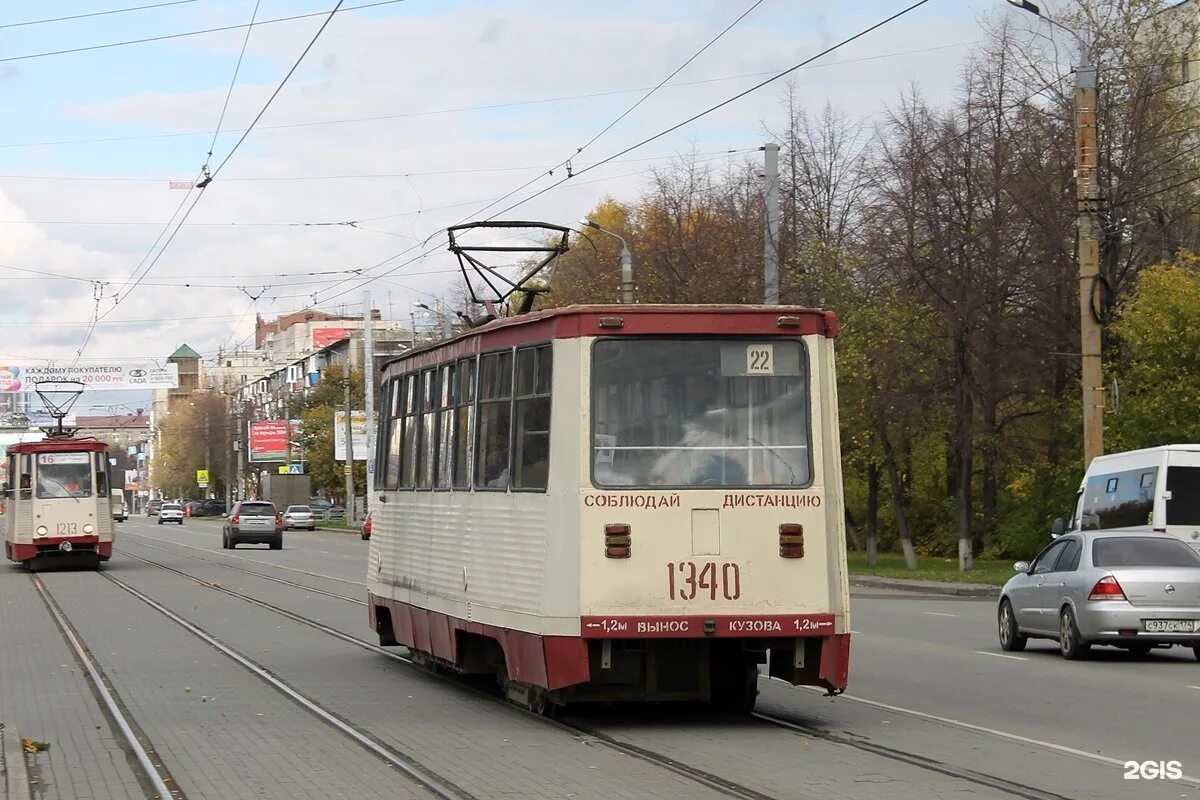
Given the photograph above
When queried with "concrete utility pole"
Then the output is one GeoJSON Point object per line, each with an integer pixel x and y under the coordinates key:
{"type": "Point", "coordinates": [771, 232]}
{"type": "Point", "coordinates": [368, 394]}
{"type": "Point", "coordinates": [228, 456]}
{"type": "Point", "coordinates": [349, 469]}
{"type": "Point", "coordinates": [1087, 209]}
{"type": "Point", "coordinates": [241, 451]}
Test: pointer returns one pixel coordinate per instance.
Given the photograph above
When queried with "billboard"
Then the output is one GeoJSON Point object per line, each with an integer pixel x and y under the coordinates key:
{"type": "Point", "coordinates": [269, 440]}
{"type": "Point", "coordinates": [323, 337]}
{"type": "Point", "coordinates": [112, 375]}
{"type": "Point", "coordinates": [358, 435]}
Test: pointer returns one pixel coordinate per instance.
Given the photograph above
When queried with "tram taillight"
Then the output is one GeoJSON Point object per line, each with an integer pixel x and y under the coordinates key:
{"type": "Point", "coordinates": [791, 540]}
{"type": "Point", "coordinates": [617, 542]}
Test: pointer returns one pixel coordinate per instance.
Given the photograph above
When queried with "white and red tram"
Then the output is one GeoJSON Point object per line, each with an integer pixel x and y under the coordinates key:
{"type": "Point", "coordinates": [57, 503]}
{"type": "Point", "coordinates": [617, 503]}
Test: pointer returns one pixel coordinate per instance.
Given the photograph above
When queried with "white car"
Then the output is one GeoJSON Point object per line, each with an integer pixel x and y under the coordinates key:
{"type": "Point", "coordinates": [299, 517]}
{"type": "Point", "coordinates": [170, 512]}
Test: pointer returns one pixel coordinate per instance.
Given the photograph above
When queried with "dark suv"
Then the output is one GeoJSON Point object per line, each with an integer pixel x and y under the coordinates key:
{"type": "Point", "coordinates": [253, 522]}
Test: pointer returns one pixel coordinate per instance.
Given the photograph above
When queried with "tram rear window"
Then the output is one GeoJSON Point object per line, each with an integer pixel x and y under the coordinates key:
{"type": "Point", "coordinates": [694, 413]}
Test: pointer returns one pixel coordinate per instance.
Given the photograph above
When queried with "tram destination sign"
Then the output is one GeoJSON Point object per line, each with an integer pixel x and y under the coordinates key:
{"type": "Point", "coordinates": [101, 376]}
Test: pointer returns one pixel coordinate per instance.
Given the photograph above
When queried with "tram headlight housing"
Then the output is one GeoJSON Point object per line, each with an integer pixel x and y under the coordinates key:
{"type": "Point", "coordinates": [88, 528]}
{"type": "Point", "coordinates": [42, 530]}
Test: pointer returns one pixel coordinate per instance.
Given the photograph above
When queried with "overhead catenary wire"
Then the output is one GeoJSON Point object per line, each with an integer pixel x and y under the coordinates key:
{"type": "Point", "coordinates": [832, 48]}
{"type": "Point", "coordinates": [209, 176]}
{"type": "Point", "coordinates": [567, 161]}
{"type": "Point", "coordinates": [887, 20]}
{"type": "Point", "coordinates": [91, 14]}
{"type": "Point", "coordinates": [168, 36]}
{"type": "Point", "coordinates": [487, 107]}
{"type": "Point", "coordinates": [232, 82]}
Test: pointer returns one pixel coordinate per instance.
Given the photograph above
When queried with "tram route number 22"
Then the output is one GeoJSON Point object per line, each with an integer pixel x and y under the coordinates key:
{"type": "Point", "coordinates": [687, 579]}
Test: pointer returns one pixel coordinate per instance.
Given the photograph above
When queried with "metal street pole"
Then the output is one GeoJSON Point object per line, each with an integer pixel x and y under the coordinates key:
{"type": "Point", "coordinates": [1087, 209]}
{"type": "Point", "coordinates": [368, 394]}
{"type": "Point", "coordinates": [771, 232]}
{"type": "Point", "coordinates": [349, 468]}
{"type": "Point", "coordinates": [626, 261]}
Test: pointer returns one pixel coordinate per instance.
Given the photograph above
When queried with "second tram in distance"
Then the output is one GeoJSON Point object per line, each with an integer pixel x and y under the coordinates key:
{"type": "Point", "coordinates": [57, 504]}
{"type": "Point", "coordinates": [617, 503]}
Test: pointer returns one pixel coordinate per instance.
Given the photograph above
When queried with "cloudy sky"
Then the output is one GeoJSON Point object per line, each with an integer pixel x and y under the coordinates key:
{"type": "Point", "coordinates": [404, 118]}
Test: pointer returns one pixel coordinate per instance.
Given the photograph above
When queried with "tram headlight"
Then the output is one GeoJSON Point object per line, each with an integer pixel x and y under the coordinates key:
{"type": "Point", "coordinates": [87, 528]}
{"type": "Point", "coordinates": [42, 530]}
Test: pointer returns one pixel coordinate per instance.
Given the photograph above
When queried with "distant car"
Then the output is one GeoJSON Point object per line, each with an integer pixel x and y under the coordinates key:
{"type": "Point", "coordinates": [170, 512]}
{"type": "Point", "coordinates": [211, 507]}
{"type": "Point", "coordinates": [1120, 588]}
{"type": "Point", "coordinates": [253, 522]}
{"type": "Point", "coordinates": [117, 504]}
{"type": "Point", "coordinates": [152, 507]}
{"type": "Point", "coordinates": [366, 526]}
{"type": "Point", "coordinates": [299, 517]}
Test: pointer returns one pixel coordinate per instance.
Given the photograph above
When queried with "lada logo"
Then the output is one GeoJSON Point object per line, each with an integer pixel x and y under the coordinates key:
{"type": "Point", "coordinates": [1169, 588]}
{"type": "Point", "coordinates": [137, 373]}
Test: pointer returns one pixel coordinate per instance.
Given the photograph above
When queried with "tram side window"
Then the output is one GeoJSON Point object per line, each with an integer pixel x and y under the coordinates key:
{"type": "Point", "coordinates": [531, 452]}
{"type": "Point", "coordinates": [495, 421]}
{"type": "Point", "coordinates": [445, 424]}
{"type": "Point", "coordinates": [381, 436]}
{"type": "Point", "coordinates": [464, 424]}
{"type": "Point", "coordinates": [101, 475]}
{"type": "Point", "coordinates": [64, 475]}
{"type": "Point", "coordinates": [428, 444]}
{"type": "Point", "coordinates": [395, 442]}
{"type": "Point", "coordinates": [408, 466]}
{"type": "Point", "coordinates": [26, 484]}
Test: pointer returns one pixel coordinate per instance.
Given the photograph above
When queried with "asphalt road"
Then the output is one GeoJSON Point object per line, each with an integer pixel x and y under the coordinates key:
{"type": "Point", "coordinates": [936, 659]}
{"type": "Point", "coordinates": [935, 709]}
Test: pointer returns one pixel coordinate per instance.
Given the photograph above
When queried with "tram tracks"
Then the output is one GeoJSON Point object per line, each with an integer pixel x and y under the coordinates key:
{"type": "Point", "coordinates": [153, 775]}
{"type": "Point", "coordinates": [721, 785]}
{"type": "Point", "coordinates": [152, 772]}
{"type": "Point", "coordinates": [703, 777]}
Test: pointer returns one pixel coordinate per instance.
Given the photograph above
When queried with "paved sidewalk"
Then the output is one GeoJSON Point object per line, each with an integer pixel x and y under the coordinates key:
{"type": "Point", "coordinates": [45, 694]}
{"type": "Point", "coordinates": [926, 587]}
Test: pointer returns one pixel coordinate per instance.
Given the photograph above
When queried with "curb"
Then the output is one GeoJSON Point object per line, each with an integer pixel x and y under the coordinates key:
{"type": "Point", "coordinates": [926, 587]}
{"type": "Point", "coordinates": [16, 771]}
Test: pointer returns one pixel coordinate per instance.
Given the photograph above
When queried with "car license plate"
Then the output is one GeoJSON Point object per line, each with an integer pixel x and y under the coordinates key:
{"type": "Point", "coordinates": [1171, 625]}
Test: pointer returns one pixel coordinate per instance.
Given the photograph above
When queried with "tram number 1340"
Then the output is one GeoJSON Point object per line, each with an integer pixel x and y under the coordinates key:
{"type": "Point", "coordinates": [687, 579]}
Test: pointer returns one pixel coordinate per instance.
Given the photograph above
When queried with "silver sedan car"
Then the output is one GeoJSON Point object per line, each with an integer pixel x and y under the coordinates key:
{"type": "Point", "coordinates": [299, 517]}
{"type": "Point", "coordinates": [1125, 589]}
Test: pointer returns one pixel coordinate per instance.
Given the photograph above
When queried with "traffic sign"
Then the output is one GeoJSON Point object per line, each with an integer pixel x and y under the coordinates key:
{"type": "Point", "coordinates": [295, 469]}
{"type": "Point", "coordinates": [202, 478]}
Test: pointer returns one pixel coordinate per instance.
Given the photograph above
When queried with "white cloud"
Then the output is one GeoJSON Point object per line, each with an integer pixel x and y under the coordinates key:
{"type": "Point", "coordinates": [425, 60]}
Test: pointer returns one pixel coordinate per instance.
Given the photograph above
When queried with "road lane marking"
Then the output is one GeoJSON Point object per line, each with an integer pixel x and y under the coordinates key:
{"type": "Point", "coordinates": [1194, 687]}
{"type": "Point", "coordinates": [1012, 737]}
{"type": "Point", "coordinates": [938, 614]}
{"type": "Point", "coordinates": [999, 655]}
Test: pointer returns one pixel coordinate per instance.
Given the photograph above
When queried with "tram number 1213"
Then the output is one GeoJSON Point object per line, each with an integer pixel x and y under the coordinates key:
{"type": "Point", "coordinates": [687, 579]}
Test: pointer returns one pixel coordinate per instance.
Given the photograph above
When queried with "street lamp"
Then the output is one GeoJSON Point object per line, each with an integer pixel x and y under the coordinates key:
{"type": "Point", "coordinates": [626, 261]}
{"type": "Point", "coordinates": [1087, 203]}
